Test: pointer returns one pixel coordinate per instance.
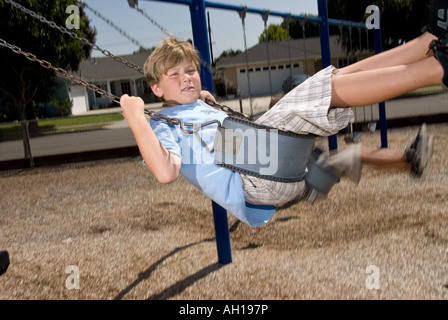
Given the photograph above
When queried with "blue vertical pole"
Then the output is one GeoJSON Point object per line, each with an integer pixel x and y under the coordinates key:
{"type": "Point", "coordinates": [200, 40]}
{"type": "Point", "coordinates": [382, 105]}
{"type": "Point", "coordinates": [222, 234]}
{"type": "Point", "coordinates": [326, 53]}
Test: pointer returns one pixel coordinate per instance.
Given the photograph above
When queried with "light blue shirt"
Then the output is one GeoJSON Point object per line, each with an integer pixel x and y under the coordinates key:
{"type": "Point", "coordinates": [219, 184]}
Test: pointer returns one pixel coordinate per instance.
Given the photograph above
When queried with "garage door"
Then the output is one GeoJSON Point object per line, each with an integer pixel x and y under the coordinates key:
{"type": "Point", "coordinates": [79, 96]}
{"type": "Point", "coordinates": [259, 79]}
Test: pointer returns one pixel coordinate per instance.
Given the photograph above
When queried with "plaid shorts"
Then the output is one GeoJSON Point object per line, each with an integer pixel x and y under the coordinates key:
{"type": "Point", "coordinates": [304, 110]}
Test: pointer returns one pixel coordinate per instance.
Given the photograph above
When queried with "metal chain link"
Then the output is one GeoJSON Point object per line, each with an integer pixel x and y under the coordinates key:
{"type": "Point", "coordinates": [94, 46]}
{"type": "Point", "coordinates": [89, 86]}
{"type": "Point", "coordinates": [78, 80]}
{"type": "Point", "coordinates": [110, 23]}
{"type": "Point", "coordinates": [227, 109]}
{"type": "Point", "coordinates": [134, 4]}
{"type": "Point", "coordinates": [75, 36]}
{"type": "Point", "coordinates": [242, 15]}
{"type": "Point", "coordinates": [155, 23]}
{"type": "Point", "coordinates": [60, 72]}
{"type": "Point", "coordinates": [152, 114]}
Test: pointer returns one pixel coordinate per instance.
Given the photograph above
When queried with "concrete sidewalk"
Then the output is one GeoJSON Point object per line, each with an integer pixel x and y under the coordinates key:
{"type": "Point", "coordinates": [395, 109]}
{"type": "Point", "coordinates": [118, 135]}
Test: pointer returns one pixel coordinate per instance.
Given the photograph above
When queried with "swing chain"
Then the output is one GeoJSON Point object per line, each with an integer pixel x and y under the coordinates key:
{"type": "Point", "coordinates": [84, 41]}
{"type": "Point", "coordinates": [177, 122]}
{"type": "Point", "coordinates": [242, 14]}
{"type": "Point", "coordinates": [227, 109]}
{"type": "Point", "coordinates": [60, 72]}
{"type": "Point", "coordinates": [110, 23]}
{"type": "Point", "coordinates": [196, 127]}
{"type": "Point", "coordinates": [89, 86]}
{"type": "Point", "coordinates": [105, 52]}
{"type": "Point", "coordinates": [78, 80]}
{"type": "Point", "coordinates": [155, 23]}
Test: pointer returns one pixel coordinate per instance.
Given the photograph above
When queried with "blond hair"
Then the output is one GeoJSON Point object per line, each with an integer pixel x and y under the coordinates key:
{"type": "Point", "coordinates": [167, 55]}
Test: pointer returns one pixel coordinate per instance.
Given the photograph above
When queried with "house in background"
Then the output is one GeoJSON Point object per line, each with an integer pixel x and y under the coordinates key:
{"type": "Point", "coordinates": [111, 76]}
{"type": "Point", "coordinates": [270, 64]}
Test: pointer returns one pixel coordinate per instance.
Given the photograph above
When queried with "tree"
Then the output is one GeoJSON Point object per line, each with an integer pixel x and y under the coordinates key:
{"type": "Point", "coordinates": [23, 81]}
{"type": "Point", "coordinates": [274, 32]}
{"type": "Point", "coordinates": [401, 20]}
{"type": "Point", "coordinates": [281, 32]}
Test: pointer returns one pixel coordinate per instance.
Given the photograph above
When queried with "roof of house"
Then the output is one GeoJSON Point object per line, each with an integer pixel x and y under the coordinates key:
{"type": "Point", "coordinates": [281, 51]}
{"type": "Point", "coordinates": [105, 68]}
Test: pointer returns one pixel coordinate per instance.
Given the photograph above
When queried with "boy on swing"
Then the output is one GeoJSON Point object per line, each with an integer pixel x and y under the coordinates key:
{"type": "Point", "coordinates": [320, 106]}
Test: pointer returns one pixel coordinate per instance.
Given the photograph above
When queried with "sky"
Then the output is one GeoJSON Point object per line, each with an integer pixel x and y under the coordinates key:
{"type": "Point", "coordinates": [226, 27]}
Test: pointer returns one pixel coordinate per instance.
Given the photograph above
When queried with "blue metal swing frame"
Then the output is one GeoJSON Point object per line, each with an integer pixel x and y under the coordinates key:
{"type": "Point", "coordinates": [201, 41]}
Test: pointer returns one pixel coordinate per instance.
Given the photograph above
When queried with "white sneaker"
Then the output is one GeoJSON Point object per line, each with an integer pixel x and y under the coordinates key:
{"type": "Point", "coordinates": [347, 162]}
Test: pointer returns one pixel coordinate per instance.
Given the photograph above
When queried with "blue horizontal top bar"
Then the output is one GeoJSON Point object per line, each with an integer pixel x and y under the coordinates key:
{"type": "Point", "coordinates": [259, 11]}
{"type": "Point", "coordinates": [187, 2]}
{"type": "Point", "coordinates": [346, 23]}
{"type": "Point", "coordinates": [223, 6]}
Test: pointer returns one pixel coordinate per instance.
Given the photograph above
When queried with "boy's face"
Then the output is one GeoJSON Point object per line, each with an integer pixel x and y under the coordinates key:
{"type": "Point", "coordinates": [180, 85]}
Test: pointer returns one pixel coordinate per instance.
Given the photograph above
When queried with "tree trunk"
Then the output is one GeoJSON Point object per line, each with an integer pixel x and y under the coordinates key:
{"type": "Point", "coordinates": [25, 134]}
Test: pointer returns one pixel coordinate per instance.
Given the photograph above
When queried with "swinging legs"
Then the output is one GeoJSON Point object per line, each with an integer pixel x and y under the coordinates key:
{"type": "Point", "coordinates": [376, 85]}
{"type": "Point", "coordinates": [387, 75]}
{"type": "Point", "coordinates": [409, 52]}
{"type": "Point", "coordinates": [384, 158]}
